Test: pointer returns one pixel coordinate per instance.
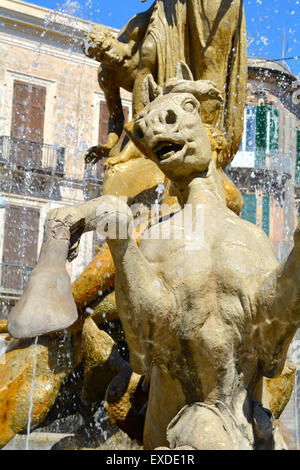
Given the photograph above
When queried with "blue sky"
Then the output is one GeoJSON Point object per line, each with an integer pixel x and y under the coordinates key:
{"type": "Point", "coordinates": [267, 22]}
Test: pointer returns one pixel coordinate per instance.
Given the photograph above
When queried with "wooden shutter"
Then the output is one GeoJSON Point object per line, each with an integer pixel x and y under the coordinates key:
{"type": "Point", "coordinates": [20, 244]}
{"type": "Point", "coordinates": [37, 113]}
{"type": "Point", "coordinates": [97, 242]}
{"type": "Point", "coordinates": [249, 208]}
{"type": "Point", "coordinates": [266, 214]}
{"type": "Point", "coordinates": [27, 124]}
{"type": "Point", "coordinates": [298, 158]}
{"type": "Point", "coordinates": [103, 123]}
{"type": "Point", "coordinates": [28, 112]}
{"type": "Point", "coordinates": [126, 113]}
{"type": "Point", "coordinates": [126, 116]}
{"type": "Point", "coordinates": [249, 128]}
{"type": "Point", "coordinates": [274, 129]}
{"type": "Point", "coordinates": [19, 118]}
{"type": "Point", "coordinates": [103, 131]}
{"type": "Point", "coordinates": [261, 136]}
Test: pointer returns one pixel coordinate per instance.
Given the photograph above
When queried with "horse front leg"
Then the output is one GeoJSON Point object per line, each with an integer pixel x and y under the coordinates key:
{"type": "Point", "coordinates": [47, 304]}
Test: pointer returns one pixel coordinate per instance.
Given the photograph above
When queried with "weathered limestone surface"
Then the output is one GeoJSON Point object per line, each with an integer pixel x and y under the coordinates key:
{"type": "Point", "coordinates": [34, 374]}
{"type": "Point", "coordinates": [143, 46]}
{"type": "Point", "coordinates": [277, 392]}
{"type": "Point", "coordinates": [37, 441]}
{"type": "Point", "coordinates": [209, 36]}
{"type": "Point", "coordinates": [96, 279]}
{"type": "Point", "coordinates": [125, 401]}
{"type": "Point", "coordinates": [3, 326]}
{"type": "Point", "coordinates": [208, 351]}
{"type": "Point", "coordinates": [182, 300]}
{"type": "Point", "coordinates": [105, 309]}
{"type": "Point", "coordinates": [102, 361]}
{"type": "Point", "coordinates": [117, 441]}
{"type": "Point", "coordinates": [207, 312]}
{"type": "Point", "coordinates": [16, 366]}
{"type": "Point", "coordinates": [47, 293]}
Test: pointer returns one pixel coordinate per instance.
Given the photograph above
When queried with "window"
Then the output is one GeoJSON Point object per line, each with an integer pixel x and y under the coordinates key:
{"type": "Point", "coordinates": [260, 137]}
{"type": "Point", "coordinates": [249, 211]}
{"type": "Point", "coordinates": [103, 131]}
{"type": "Point", "coordinates": [103, 121]}
{"type": "Point", "coordinates": [20, 246]}
{"type": "Point", "coordinates": [266, 214]}
{"type": "Point", "coordinates": [267, 133]}
{"type": "Point", "coordinates": [248, 143]}
{"type": "Point", "coordinates": [246, 155]}
{"type": "Point", "coordinates": [298, 158]}
{"type": "Point", "coordinates": [249, 208]}
{"type": "Point", "coordinates": [28, 112]}
{"type": "Point", "coordinates": [27, 124]}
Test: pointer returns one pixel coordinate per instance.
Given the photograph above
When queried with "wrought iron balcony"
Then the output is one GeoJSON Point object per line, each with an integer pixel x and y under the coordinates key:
{"type": "Point", "coordinates": [297, 176]}
{"type": "Point", "coordinates": [27, 155]}
{"type": "Point", "coordinates": [277, 161]}
{"type": "Point", "coordinates": [94, 172]}
{"type": "Point", "coordinates": [13, 277]}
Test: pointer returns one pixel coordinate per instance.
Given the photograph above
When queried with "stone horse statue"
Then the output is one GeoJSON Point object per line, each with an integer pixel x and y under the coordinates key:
{"type": "Point", "coordinates": [208, 35]}
{"type": "Point", "coordinates": [207, 310]}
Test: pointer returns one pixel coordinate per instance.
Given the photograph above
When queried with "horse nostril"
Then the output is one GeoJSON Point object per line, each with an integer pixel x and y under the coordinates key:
{"type": "Point", "coordinates": [171, 117]}
{"type": "Point", "coordinates": [138, 132]}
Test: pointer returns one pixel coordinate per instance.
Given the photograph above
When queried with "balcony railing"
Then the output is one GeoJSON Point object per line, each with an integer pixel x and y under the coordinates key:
{"type": "Point", "coordinates": [13, 277]}
{"type": "Point", "coordinates": [279, 162]}
{"type": "Point", "coordinates": [297, 177]}
{"type": "Point", "coordinates": [24, 154]}
{"type": "Point", "coordinates": [94, 172]}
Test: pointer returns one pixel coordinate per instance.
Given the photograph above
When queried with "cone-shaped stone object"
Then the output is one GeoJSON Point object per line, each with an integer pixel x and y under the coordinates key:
{"type": "Point", "coordinates": [47, 303]}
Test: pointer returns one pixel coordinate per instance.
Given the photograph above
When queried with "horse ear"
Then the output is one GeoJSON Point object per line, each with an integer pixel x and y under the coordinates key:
{"type": "Point", "coordinates": [183, 72]}
{"type": "Point", "coordinates": [150, 90]}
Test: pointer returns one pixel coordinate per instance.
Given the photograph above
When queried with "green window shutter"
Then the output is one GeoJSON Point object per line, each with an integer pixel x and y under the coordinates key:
{"type": "Point", "coordinates": [298, 159]}
{"type": "Point", "coordinates": [266, 214]}
{"type": "Point", "coordinates": [261, 136]}
{"type": "Point", "coordinates": [274, 129]}
{"type": "Point", "coordinates": [249, 208]}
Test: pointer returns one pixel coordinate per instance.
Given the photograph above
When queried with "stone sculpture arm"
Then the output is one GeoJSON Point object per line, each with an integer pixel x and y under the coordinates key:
{"type": "Point", "coordinates": [102, 45]}
{"type": "Point", "coordinates": [69, 223]}
{"type": "Point", "coordinates": [47, 303]}
{"type": "Point", "coordinates": [119, 58]}
{"type": "Point", "coordinates": [278, 311]}
{"type": "Point", "coordinates": [111, 90]}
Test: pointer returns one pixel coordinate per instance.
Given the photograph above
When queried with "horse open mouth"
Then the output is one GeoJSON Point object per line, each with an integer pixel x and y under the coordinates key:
{"type": "Point", "coordinates": [165, 149]}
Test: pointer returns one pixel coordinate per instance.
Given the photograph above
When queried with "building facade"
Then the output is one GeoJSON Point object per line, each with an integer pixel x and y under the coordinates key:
{"type": "Point", "coordinates": [266, 168]}
{"type": "Point", "coordinates": [52, 110]}
{"type": "Point", "coordinates": [267, 171]}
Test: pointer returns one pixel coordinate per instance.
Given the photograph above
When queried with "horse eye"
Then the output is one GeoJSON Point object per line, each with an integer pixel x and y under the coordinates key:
{"type": "Point", "coordinates": [189, 106]}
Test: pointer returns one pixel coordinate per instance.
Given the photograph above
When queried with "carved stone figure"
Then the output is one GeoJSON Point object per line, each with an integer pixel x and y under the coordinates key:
{"type": "Point", "coordinates": [208, 35]}
{"type": "Point", "coordinates": [206, 317]}
{"type": "Point", "coordinates": [119, 58]}
{"type": "Point", "coordinates": [206, 309]}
